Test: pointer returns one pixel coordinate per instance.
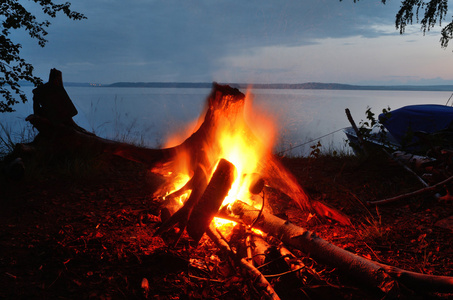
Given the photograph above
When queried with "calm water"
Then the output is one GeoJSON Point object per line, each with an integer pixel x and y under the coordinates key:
{"type": "Point", "coordinates": [149, 115]}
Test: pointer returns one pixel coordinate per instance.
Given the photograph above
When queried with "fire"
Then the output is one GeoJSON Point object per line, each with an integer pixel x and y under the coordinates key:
{"type": "Point", "coordinates": [239, 139]}
{"type": "Point", "coordinates": [225, 226]}
{"type": "Point", "coordinates": [242, 143]}
{"type": "Point", "coordinates": [180, 180]}
{"type": "Point", "coordinates": [241, 135]}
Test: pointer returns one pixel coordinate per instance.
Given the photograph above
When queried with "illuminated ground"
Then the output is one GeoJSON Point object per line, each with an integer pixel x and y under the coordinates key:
{"type": "Point", "coordinates": [75, 232]}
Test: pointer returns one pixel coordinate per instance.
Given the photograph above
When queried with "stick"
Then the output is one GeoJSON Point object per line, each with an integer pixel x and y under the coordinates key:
{"type": "Point", "coordinates": [243, 263]}
{"type": "Point", "coordinates": [412, 194]}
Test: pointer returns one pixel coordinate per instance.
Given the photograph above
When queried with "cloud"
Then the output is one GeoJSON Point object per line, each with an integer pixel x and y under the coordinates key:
{"type": "Point", "coordinates": [139, 40]}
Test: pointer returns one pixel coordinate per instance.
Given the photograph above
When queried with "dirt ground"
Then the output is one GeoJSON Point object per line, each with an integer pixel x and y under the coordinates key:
{"type": "Point", "coordinates": [85, 231]}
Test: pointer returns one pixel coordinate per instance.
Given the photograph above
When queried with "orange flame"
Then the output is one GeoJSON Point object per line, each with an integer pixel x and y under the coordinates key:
{"type": "Point", "coordinates": [232, 130]}
{"type": "Point", "coordinates": [242, 135]}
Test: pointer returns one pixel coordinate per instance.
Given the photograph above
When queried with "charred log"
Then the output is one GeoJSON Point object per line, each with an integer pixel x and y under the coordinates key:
{"type": "Point", "coordinates": [211, 200]}
{"type": "Point", "coordinates": [197, 184]}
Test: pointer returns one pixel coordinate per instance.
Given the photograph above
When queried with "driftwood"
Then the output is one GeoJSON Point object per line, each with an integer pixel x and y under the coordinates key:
{"type": "Point", "coordinates": [59, 135]}
{"type": "Point", "coordinates": [52, 102]}
{"type": "Point", "coordinates": [371, 273]}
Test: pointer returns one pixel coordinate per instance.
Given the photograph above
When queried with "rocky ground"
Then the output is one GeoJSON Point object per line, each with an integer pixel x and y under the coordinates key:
{"type": "Point", "coordinates": [84, 229]}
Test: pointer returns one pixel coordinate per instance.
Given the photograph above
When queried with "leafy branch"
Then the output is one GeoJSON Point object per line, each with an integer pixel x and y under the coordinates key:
{"type": "Point", "coordinates": [12, 66]}
{"type": "Point", "coordinates": [427, 14]}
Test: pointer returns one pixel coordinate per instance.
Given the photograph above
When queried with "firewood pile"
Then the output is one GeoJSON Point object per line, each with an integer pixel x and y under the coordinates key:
{"type": "Point", "coordinates": [265, 249]}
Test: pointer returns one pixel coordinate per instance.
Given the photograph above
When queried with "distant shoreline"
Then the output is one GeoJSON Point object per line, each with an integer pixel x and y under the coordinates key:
{"type": "Point", "coordinates": [287, 86]}
{"type": "Point", "coordinates": [297, 86]}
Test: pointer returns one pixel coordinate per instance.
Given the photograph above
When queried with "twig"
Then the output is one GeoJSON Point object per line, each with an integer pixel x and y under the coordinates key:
{"type": "Point", "coordinates": [284, 273]}
{"type": "Point", "coordinates": [206, 279]}
{"type": "Point", "coordinates": [243, 263]}
{"type": "Point", "coordinates": [412, 194]}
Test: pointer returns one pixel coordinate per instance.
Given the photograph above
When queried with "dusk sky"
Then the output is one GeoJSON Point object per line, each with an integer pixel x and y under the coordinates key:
{"type": "Point", "coordinates": [239, 41]}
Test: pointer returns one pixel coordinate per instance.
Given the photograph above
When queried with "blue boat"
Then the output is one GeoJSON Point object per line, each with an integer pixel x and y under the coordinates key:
{"type": "Point", "coordinates": [413, 128]}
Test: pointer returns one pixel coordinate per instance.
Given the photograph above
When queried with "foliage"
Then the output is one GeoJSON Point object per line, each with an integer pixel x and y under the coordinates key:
{"type": "Point", "coordinates": [315, 150]}
{"type": "Point", "coordinates": [372, 129]}
{"type": "Point", "coordinates": [431, 12]}
{"type": "Point", "coordinates": [8, 138]}
{"type": "Point", "coordinates": [366, 127]}
{"type": "Point", "coordinates": [12, 66]}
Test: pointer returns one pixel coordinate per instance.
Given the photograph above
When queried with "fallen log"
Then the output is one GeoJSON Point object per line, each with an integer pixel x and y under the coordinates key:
{"type": "Point", "coordinates": [371, 273]}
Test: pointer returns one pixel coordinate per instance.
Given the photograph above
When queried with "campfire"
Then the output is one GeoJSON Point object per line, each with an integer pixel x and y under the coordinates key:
{"type": "Point", "coordinates": [228, 158]}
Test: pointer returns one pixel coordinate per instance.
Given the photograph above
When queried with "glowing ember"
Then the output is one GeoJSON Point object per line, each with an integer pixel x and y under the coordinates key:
{"type": "Point", "coordinates": [223, 225]}
{"type": "Point", "coordinates": [179, 181]}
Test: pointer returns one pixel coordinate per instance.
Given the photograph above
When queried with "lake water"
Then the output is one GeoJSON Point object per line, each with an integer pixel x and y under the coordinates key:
{"type": "Point", "coordinates": [148, 115]}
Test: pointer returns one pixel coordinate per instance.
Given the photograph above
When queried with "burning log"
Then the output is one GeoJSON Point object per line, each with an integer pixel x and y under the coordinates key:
{"type": "Point", "coordinates": [197, 184]}
{"type": "Point", "coordinates": [367, 271]}
{"type": "Point", "coordinates": [211, 200]}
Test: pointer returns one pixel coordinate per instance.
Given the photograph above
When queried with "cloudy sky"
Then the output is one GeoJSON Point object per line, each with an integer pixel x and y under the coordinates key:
{"type": "Point", "coordinates": [250, 41]}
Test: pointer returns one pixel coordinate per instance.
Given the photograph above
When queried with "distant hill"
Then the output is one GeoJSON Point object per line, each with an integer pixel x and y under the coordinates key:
{"type": "Point", "coordinates": [66, 84]}
{"type": "Point", "coordinates": [307, 85]}
{"type": "Point", "coordinates": [161, 84]}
